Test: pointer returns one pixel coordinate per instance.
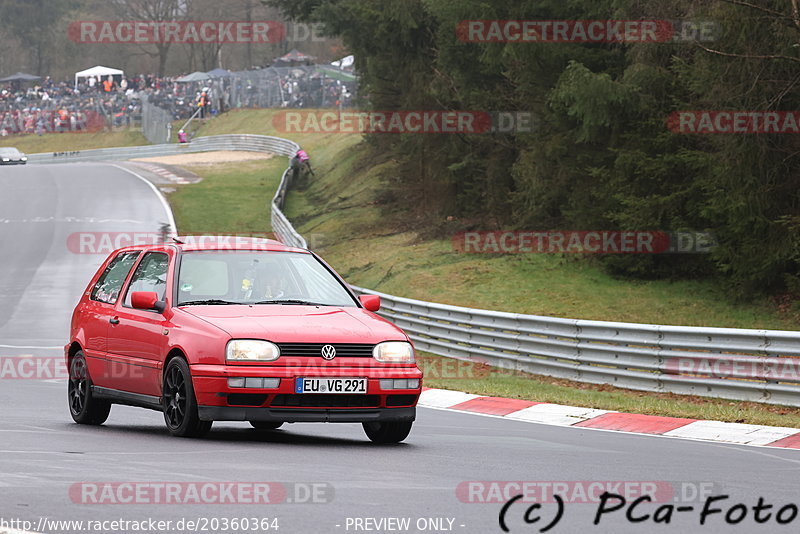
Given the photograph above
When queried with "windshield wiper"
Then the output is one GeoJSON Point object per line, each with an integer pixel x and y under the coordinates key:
{"type": "Point", "coordinates": [208, 301]}
{"type": "Point", "coordinates": [290, 301]}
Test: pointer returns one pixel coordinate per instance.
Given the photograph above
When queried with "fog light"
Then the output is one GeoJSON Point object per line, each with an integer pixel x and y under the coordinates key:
{"type": "Point", "coordinates": [400, 383]}
{"type": "Point", "coordinates": [256, 382]}
{"type": "Point", "coordinates": [253, 383]}
{"type": "Point", "coordinates": [272, 383]}
{"type": "Point", "coordinates": [236, 382]}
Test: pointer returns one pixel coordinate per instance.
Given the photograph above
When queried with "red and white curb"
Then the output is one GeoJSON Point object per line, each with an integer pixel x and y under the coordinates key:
{"type": "Point", "coordinates": [164, 173]}
{"type": "Point", "coordinates": [558, 415]}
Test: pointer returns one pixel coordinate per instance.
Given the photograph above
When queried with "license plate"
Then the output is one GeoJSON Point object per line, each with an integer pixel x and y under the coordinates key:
{"type": "Point", "coordinates": [331, 385]}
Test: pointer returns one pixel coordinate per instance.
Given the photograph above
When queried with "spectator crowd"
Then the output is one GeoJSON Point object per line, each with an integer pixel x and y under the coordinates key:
{"type": "Point", "coordinates": [94, 104]}
{"type": "Point", "coordinates": [57, 106]}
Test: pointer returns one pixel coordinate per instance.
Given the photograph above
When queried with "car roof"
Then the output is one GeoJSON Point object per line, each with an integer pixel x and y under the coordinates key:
{"type": "Point", "coordinates": [196, 243]}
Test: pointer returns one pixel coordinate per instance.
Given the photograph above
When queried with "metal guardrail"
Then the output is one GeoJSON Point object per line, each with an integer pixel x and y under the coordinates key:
{"type": "Point", "coordinates": [255, 143]}
{"type": "Point", "coordinates": [752, 365]}
{"type": "Point", "coordinates": [280, 224]}
{"type": "Point", "coordinates": [731, 363]}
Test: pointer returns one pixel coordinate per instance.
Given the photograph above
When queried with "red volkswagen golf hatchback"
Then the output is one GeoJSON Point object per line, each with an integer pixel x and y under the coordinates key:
{"type": "Point", "coordinates": [231, 329]}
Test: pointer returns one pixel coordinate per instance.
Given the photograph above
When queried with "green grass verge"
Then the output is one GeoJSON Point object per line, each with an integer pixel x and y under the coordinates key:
{"type": "Point", "coordinates": [64, 142]}
{"type": "Point", "coordinates": [341, 211]}
{"type": "Point", "coordinates": [231, 199]}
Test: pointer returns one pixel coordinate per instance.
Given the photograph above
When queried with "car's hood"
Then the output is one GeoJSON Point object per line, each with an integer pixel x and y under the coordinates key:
{"type": "Point", "coordinates": [299, 324]}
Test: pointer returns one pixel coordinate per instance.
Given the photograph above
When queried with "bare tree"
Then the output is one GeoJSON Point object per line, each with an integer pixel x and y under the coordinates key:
{"type": "Point", "coordinates": [208, 54]}
{"type": "Point", "coordinates": [158, 11]}
{"type": "Point", "coordinates": [33, 24]}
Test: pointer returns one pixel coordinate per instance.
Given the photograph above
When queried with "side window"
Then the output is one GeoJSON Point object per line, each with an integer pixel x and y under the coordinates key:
{"type": "Point", "coordinates": [150, 275]}
{"type": "Point", "coordinates": [110, 282]}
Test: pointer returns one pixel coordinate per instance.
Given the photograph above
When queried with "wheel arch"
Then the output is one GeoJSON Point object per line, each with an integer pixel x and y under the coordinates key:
{"type": "Point", "coordinates": [74, 348]}
{"type": "Point", "coordinates": [175, 352]}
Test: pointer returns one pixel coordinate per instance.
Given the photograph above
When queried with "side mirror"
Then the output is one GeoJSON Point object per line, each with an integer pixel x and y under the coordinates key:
{"type": "Point", "coordinates": [370, 302]}
{"type": "Point", "coordinates": [147, 300]}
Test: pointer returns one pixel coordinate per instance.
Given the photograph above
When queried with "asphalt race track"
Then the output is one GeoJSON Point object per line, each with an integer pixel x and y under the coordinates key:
{"type": "Point", "coordinates": [43, 455]}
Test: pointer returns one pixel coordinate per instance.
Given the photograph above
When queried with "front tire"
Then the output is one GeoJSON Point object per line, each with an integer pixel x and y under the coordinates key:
{"type": "Point", "coordinates": [266, 425]}
{"type": "Point", "coordinates": [180, 403]}
{"type": "Point", "coordinates": [83, 407]}
{"type": "Point", "coordinates": [387, 432]}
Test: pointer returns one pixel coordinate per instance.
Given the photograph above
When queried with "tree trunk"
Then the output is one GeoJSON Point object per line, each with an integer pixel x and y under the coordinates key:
{"type": "Point", "coordinates": [249, 18]}
{"type": "Point", "coordinates": [163, 52]}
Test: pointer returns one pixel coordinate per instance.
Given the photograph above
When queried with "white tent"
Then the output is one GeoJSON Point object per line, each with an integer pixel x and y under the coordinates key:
{"type": "Point", "coordinates": [98, 72]}
{"type": "Point", "coordinates": [345, 62]}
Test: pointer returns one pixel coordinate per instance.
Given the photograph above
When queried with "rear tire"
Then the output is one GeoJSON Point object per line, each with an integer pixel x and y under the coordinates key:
{"type": "Point", "coordinates": [83, 407]}
{"type": "Point", "coordinates": [266, 425]}
{"type": "Point", "coordinates": [387, 432]}
{"type": "Point", "coordinates": [180, 403]}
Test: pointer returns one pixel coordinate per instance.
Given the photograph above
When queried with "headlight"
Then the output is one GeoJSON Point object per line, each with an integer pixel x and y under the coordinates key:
{"type": "Point", "coordinates": [6, 159]}
{"type": "Point", "coordinates": [251, 350]}
{"type": "Point", "coordinates": [24, 158]}
{"type": "Point", "coordinates": [394, 352]}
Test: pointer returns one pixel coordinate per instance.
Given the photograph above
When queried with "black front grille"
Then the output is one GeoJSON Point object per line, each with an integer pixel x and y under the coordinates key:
{"type": "Point", "coordinates": [343, 350]}
{"type": "Point", "coordinates": [246, 399]}
{"type": "Point", "coordinates": [400, 400]}
{"type": "Point", "coordinates": [326, 401]}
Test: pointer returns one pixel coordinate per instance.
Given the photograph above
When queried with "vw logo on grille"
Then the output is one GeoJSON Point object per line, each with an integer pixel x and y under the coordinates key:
{"type": "Point", "coordinates": [328, 352]}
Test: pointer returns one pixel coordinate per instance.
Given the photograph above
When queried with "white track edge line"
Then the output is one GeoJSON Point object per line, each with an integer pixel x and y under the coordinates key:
{"type": "Point", "coordinates": [56, 347]}
{"type": "Point", "coordinates": [159, 194]}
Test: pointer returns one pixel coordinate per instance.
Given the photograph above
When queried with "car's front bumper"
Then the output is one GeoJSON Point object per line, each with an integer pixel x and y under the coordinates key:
{"type": "Point", "coordinates": [305, 415]}
{"type": "Point", "coordinates": [218, 401]}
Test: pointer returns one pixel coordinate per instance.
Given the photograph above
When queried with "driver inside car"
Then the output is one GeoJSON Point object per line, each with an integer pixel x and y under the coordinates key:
{"type": "Point", "coordinates": [275, 282]}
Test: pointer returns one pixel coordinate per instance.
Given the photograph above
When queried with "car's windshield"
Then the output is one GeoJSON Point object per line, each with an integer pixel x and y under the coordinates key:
{"type": "Point", "coordinates": [9, 152]}
{"type": "Point", "coordinates": [257, 277]}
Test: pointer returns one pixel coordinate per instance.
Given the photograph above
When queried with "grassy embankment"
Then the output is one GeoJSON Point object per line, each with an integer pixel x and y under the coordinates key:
{"type": "Point", "coordinates": [65, 142]}
{"type": "Point", "coordinates": [234, 198]}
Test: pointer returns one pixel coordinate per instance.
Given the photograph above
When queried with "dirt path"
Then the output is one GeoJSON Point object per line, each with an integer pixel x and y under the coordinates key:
{"type": "Point", "coordinates": [208, 158]}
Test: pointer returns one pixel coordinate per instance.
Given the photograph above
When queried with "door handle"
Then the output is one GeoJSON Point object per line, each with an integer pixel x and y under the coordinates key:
{"type": "Point", "coordinates": [114, 321]}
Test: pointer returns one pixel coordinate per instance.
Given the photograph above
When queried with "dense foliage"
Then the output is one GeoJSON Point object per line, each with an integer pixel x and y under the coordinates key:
{"type": "Point", "coordinates": [602, 156]}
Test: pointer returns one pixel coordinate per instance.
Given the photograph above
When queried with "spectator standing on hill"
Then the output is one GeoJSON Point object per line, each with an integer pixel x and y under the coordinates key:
{"type": "Point", "coordinates": [297, 167]}
{"type": "Point", "coordinates": [305, 161]}
{"type": "Point", "coordinates": [201, 103]}
{"type": "Point", "coordinates": [207, 101]}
